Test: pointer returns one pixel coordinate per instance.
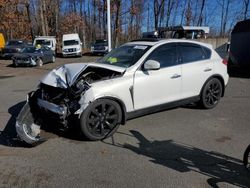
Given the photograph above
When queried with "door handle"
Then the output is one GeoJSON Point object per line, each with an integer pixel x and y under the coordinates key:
{"type": "Point", "coordinates": [207, 69]}
{"type": "Point", "coordinates": [175, 76]}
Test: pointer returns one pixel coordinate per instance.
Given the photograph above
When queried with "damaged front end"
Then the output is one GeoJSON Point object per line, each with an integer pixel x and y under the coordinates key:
{"type": "Point", "coordinates": [57, 99]}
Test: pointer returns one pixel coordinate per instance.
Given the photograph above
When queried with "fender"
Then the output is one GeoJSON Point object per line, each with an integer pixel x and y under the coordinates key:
{"type": "Point", "coordinates": [220, 78]}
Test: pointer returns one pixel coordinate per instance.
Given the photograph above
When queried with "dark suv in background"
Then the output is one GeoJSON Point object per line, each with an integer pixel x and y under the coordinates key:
{"type": "Point", "coordinates": [99, 47]}
{"type": "Point", "coordinates": [12, 47]}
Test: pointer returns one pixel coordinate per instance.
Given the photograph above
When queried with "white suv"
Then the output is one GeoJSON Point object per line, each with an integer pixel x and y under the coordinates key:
{"type": "Point", "coordinates": [138, 78]}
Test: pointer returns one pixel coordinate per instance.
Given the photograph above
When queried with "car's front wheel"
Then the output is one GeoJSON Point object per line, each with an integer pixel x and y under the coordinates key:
{"type": "Point", "coordinates": [101, 119]}
{"type": "Point", "coordinates": [211, 93]}
{"type": "Point", "coordinates": [53, 59]}
{"type": "Point", "coordinates": [39, 62]}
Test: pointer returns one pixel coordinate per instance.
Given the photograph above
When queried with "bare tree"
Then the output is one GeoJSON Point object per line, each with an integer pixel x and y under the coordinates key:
{"type": "Point", "coordinates": [170, 7]}
{"type": "Point", "coordinates": [224, 4]}
{"type": "Point", "coordinates": [188, 13]}
{"type": "Point", "coordinates": [200, 19]}
{"type": "Point", "coordinates": [158, 5]}
{"type": "Point", "coordinates": [246, 6]}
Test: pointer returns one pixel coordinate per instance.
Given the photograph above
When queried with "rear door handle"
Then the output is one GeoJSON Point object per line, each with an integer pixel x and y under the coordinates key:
{"type": "Point", "coordinates": [207, 69]}
{"type": "Point", "coordinates": [175, 76]}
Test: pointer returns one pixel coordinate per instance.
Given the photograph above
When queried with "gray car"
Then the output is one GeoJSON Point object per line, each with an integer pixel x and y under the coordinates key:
{"type": "Point", "coordinates": [99, 47]}
{"type": "Point", "coordinates": [32, 56]}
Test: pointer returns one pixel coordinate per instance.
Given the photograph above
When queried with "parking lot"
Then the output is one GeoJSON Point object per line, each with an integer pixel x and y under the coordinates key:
{"type": "Point", "coordinates": [181, 147]}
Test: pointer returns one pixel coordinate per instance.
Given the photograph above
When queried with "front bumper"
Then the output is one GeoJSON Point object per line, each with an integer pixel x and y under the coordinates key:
{"type": "Point", "coordinates": [24, 62]}
{"type": "Point", "coordinates": [70, 54]}
{"type": "Point", "coordinates": [26, 128]}
{"type": "Point", "coordinates": [99, 51]}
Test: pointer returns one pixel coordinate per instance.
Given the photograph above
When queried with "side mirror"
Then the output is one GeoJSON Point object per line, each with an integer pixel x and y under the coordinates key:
{"type": "Point", "coordinates": [151, 65]}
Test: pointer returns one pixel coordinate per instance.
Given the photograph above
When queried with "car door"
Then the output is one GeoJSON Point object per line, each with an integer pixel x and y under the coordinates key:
{"type": "Point", "coordinates": [46, 54]}
{"type": "Point", "coordinates": [155, 87]}
{"type": "Point", "coordinates": [197, 67]}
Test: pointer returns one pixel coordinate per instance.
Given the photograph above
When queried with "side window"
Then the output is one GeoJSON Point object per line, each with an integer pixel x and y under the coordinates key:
{"type": "Point", "coordinates": [165, 55]}
{"type": "Point", "coordinates": [207, 52]}
{"type": "Point", "coordinates": [191, 52]}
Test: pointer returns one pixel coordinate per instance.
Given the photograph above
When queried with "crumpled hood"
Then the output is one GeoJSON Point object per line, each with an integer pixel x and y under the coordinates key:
{"type": "Point", "coordinates": [66, 75]}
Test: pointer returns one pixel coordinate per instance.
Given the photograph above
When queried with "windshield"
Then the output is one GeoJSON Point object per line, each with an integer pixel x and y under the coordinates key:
{"type": "Point", "coordinates": [125, 56]}
{"type": "Point", "coordinates": [101, 42]}
{"type": "Point", "coordinates": [14, 42]}
{"type": "Point", "coordinates": [29, 50]}
{"type": "Point", "coordinates": [70, 42]}
{"type": "Point", "coordinates": [43, 42]}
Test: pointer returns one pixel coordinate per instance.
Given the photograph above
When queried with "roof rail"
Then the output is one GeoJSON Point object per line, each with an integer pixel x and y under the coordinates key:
{"type": "Point", "coordinates": [147, 40]}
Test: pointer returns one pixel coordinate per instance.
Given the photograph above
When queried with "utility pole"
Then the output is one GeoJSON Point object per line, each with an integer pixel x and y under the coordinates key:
{"type": "Point", "coordinates": [109, 25]}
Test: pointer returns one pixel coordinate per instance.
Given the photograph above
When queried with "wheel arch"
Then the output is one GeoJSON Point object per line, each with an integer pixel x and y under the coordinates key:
{"type": "Point", "coordinates": [121, 104]}
{"type": "Point", "coordinates": [220, 78]}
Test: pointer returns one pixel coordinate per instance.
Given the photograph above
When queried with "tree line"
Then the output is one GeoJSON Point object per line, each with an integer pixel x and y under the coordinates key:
{"type": "Point", "coordinates": [25, 19]}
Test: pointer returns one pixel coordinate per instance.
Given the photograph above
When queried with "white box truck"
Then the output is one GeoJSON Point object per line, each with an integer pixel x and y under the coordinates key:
{"type": "Point", "coordinates": [49, 41]}
{"type": "Point", "coordinates": [71, 45]}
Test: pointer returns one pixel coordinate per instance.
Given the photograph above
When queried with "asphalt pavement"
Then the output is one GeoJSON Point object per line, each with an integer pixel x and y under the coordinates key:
{"type": "Point", "coordinates": [181, 147]}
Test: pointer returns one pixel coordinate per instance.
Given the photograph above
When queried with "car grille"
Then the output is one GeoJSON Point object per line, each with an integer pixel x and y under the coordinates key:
{"type": "Point", "coordinates": [72, 50]}
{"type": "Point", "coordinates": [99, 48]}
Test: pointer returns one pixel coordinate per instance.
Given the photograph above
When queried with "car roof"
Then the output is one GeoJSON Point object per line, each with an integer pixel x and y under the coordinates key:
{"type": "Point", "coordinates": [155, 41]}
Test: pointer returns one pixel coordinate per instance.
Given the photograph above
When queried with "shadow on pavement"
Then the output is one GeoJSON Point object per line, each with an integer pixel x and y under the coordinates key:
{"type": "Point", "coordinates": [184, 158]}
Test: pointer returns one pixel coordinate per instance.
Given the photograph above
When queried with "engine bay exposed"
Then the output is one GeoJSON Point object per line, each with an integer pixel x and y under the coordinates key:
{"type": "Point", "coordinates": [56, 103]}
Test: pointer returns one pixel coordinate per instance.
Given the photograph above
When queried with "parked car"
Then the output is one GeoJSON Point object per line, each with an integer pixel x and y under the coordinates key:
{"type": "Point", "coordinates": [239, 56]}
{"type": "Point", "coordinates": [71, 45]}
{"type": "Point", "coordinates": [12, 47]}
{"type": "Point", "coordinates": [99, 47]}
{"type": "Point", "coordinates": [138, 78]}
{"type": "Point", "coordinates": [32, 56]}
{"type": "Point", "coordinates": [49, 41]}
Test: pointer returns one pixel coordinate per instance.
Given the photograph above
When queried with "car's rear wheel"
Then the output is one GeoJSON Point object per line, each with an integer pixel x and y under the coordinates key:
{"type": "Point", "coordinates": [39, 62]}
{"type": "Point", "coordinates": [211, 93]}
{"type": "Point", "coordinates": [101, 119]}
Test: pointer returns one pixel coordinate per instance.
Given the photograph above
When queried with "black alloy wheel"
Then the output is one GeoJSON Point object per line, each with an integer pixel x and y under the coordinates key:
{"type": "Point", "coordinates": [246, 158]}
{"type": "Point", "coordinates": [211, 93]}
{"type": "Point", "coordinates": [101, 119]}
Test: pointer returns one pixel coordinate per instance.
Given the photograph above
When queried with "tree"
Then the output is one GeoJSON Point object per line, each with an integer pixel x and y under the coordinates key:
{"type": "Point", "coordinates": [158, 6]}
{"type": "Point", "coordinates": [246, 6]}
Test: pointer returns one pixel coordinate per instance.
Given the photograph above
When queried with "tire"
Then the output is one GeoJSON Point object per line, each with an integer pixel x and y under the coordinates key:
{"type": "Point", "coordinates": [39, 62]}
{"type": "Point", "coordinates": [14, 64]}
{"type": "Point", "coordinates": [101, 119]}
{"type": "Point", "coordinates": [211, 93]}
{"type": "Point", "coordinates": [246, 158]}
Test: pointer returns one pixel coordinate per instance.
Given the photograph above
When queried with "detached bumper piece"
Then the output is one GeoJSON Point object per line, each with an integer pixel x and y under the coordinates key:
{"type": "Point", "coordinates": [26, 128]}
{"type": "Point", "coordinates": [36, 112]}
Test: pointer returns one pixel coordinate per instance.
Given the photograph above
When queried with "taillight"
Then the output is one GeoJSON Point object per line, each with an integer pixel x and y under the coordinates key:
{"type": "Point", "coordinates": [224, 61]}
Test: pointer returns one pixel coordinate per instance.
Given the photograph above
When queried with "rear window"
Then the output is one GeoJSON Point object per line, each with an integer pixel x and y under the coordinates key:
{"type": "Point", "coordinates": [192, 52]}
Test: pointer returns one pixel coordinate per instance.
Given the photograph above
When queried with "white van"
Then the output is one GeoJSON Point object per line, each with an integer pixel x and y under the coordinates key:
{"type": "Point", "coordinates": [49, 41]}
{"type": "Point", "coordinates": [71, 45]}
